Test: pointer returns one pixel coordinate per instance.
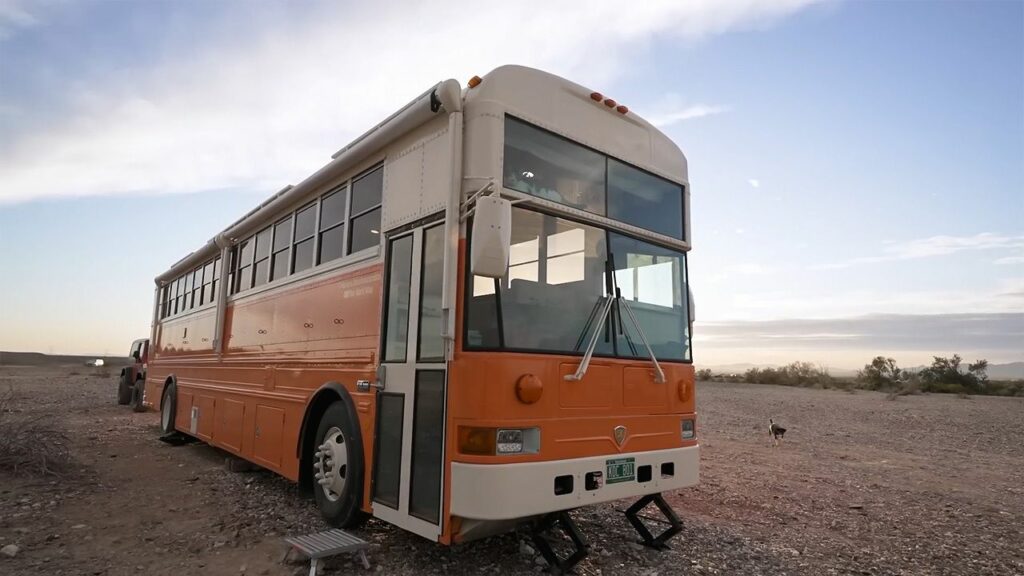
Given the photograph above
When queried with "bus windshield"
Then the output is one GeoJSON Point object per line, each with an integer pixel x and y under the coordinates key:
{"type": "Point", "coordinates": [556, 282]}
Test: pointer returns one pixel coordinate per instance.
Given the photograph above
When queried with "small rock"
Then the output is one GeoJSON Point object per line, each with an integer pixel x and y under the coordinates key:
{"type": "Point", "coordinates": [540, 561]}
{"type": "Point", "coordinates": [78, 526]}
{"type": "Point", "coordinates": [243, 569]}
{"type": "Point", "coordinates": [526, 550]}
{"type": "Point", "coordinates": [11, 550]}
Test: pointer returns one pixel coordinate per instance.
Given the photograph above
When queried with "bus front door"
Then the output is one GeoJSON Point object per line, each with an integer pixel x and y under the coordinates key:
{"type": "Point", "coordinates": [409, 461]}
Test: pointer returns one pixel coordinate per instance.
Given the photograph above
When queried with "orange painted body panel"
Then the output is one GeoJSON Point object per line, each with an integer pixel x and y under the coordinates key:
{"type": "Point", "coordinates": [281, 346]}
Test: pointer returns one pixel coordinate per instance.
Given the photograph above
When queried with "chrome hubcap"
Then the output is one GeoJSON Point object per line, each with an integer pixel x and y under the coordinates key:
{"type": "Point", "coordinates": [330, 463]}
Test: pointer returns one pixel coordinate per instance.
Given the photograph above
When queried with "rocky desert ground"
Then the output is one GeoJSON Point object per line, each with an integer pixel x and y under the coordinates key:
{"type": "Point", "coordinates": [927, 484]}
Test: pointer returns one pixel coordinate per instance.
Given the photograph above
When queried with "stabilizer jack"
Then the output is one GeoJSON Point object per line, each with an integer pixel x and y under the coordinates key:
{"type": "Point", "coordinates": [565, 523]}
{"type": "Point", "coordinates": [675, 526]}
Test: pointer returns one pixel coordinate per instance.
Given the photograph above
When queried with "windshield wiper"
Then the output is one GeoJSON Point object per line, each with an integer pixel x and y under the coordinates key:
{"type": "Point", "coordinates": [605, 304]}
{"type": "Point", "coordinates": [659, 376]}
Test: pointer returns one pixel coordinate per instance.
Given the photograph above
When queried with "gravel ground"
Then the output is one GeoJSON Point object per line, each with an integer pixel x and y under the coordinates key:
{"type": "Point", "coordinates": [862, 485]}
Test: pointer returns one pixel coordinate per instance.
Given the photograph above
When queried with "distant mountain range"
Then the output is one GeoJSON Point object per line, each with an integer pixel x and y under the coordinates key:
{"type": "Point", "coordinates": [40, 359]}
{"type": "Point", "coordinates": [1008, 371]}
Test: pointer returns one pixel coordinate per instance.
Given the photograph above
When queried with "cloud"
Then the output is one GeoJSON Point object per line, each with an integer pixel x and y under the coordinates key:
{"type": "Point", "coordinates": [940, 246]}
{"type": "Point", "coordinates": [14, 16]}
{"type": "Point", "coordinates": [688, 113]}
{"type": "Point", "coordinates": [855, 340]}
{"type": "Point", "coordinates": [267, 107]}
{"type": "Point", "coordinates": [748, 299]}
{"type": "Point", "coordinates": [754, 183]}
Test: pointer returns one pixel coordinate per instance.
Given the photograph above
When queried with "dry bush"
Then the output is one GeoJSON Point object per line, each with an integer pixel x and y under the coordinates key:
{"type": "Point", "coordinates": [101, 371]}
{"type": "Point", "coordinates": [31, 446]}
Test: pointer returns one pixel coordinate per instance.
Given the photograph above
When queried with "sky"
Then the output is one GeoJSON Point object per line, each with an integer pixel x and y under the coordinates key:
{"type": "Point", "coordinates": [857, 168]}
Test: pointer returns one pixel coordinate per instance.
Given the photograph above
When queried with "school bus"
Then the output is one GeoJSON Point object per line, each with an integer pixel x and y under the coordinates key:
{"type": "Point", "coordinates": [475, 315]}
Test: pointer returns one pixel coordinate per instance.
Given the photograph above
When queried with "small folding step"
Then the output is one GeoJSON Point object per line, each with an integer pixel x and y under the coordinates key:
{"type": "Point", "coordinates": [325, 544]}
{"type": "Point", "coordinates": [675, 526]}
{"type": "Point", "coordinates": [540, 540]}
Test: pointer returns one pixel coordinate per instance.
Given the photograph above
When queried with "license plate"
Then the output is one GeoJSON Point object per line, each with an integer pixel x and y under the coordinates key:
{"type": "Point", "coordinates": [620, 470]}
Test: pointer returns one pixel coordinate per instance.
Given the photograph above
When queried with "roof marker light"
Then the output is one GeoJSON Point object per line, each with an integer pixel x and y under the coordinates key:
{"type": "Point", "coordinates": [621, 109]}
{"type": "Point", "coordinates": [609, 102]}
{"type": "Point", "coordinates": [474, 81]}
{"type": "Point", "coordinates": [596, 96]}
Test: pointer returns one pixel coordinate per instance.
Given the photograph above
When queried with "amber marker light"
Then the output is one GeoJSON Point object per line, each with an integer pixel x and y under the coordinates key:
{"type": "Point", "coordinates": [596, 96]}
{"type": "Point", "coordinates": [474, 81]}
{"type": "Point", "coordinates": [477, 440]}
{"type": "Point", "coordinates": [621, 109]}
{"type": "Point", "coordinates": [609, 103]}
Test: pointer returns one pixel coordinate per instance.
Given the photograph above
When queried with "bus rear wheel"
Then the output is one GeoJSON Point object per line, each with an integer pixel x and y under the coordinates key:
{"type": "Point", "coordinates": [168, 408]}
{"type": "Point", "coordinates": [337, 469]}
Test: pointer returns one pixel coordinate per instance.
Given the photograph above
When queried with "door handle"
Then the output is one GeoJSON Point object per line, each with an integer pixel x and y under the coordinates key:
{"type": "Point", "coordinates": [365, 385]}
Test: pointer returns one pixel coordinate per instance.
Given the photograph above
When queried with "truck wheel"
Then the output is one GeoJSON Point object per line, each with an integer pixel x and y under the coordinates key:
{"type": "Point", "coordinates": [168, 408]}
{"type": "Point", "coordinates": [137, 391]}
{"type": "Point", "coordinates": [124, 390]}
{"type": "Point", "coordinates": [337, 473]}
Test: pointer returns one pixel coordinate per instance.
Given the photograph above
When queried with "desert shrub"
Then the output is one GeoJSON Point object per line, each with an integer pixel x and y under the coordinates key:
{"type": "Point", "coordinates": [881, 374]}
{"type": "Point", "coordinates": [705, 375]}
{"type": "Point", "coordinates": [30, 446]}
{"type": "Point", "coordinates": [796, 374]}
{"type": "Point", "coordinates": [947, 375]}
{"type": "Point", "coordinates": [101, 372]}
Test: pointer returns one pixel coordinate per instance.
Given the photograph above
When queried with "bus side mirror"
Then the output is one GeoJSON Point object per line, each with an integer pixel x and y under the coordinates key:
{"type": "Point", "coordinates": [492, 237]}
{"type": "Point", "coordinates": [692, 309]}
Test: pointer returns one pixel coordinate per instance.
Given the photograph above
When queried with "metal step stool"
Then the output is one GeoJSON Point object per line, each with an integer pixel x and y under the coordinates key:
{"type": "Point", "coordinates": [324, 544]}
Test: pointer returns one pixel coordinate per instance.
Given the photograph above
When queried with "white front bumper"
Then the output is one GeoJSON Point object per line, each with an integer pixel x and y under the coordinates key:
{"type": "Point", "coordinates": [508, 491]}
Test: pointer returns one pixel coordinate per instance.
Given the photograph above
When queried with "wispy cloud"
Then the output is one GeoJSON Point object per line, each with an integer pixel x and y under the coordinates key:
{"type": "Point", "coordinates": [14, 15]}
{"type": "Point", "coordinates": [688, 113]}
{"type": "Point", "coordinates": [852, 341]}
{"type": "Point", "coordinates": [754, 183]}
{"type": "Point", "coordinates": [940, 246]}
{"type": "Point", "coordinates": [265, 109]}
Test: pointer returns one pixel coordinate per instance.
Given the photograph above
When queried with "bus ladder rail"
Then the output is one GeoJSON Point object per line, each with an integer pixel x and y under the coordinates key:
{"type": "Point", "coordinates": [565, 522]}
{"type": "Point", "coordinates": [675, 526]}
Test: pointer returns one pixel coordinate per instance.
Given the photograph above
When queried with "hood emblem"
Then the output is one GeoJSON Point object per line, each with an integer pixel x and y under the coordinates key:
{"type": "Point", "coordinates": [620, 435]}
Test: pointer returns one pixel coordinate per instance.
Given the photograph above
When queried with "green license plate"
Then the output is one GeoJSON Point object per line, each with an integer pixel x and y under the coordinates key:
{"type": "Point", "coordinates": [620, 470]}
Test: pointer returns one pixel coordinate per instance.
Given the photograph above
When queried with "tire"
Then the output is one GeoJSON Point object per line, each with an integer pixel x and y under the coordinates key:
{"type": "Point", "coordinates": [124, 390]}
{"type": "Point", "coordinates": [138, 390]}
{"type": "Point", "coordinates": [168, 408]}
{"type": "Point", "coordinates": [338, 501]}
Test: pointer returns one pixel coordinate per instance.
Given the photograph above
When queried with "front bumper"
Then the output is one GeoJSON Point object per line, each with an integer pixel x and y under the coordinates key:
{"type": "Point", "coordinates": [508, 491]}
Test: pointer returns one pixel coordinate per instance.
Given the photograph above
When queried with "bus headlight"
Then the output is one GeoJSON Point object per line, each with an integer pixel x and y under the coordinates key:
{"type": "Point", "coordinates": [518, 441]}
{"type": "Point", "coordinates": [688, 429]}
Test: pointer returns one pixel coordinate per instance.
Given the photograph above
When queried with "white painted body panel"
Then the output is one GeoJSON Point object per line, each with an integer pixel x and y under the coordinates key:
{"type": "Point", "coordinates": [508, 491]}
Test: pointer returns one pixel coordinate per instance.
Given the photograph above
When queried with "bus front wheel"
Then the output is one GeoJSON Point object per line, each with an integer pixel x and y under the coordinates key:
{"type": "Point", "coordinates": [338, 468]}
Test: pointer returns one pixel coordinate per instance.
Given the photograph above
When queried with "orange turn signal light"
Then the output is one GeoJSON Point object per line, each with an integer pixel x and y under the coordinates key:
{"type": "Point", "coordinates": [474, 81]}
{"type": "Point", "coordinates": [480, 441]}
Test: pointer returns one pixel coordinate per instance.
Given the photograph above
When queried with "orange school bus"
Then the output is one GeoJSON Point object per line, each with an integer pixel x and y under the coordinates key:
{"type": "Point", "coordinates": [475, 315]}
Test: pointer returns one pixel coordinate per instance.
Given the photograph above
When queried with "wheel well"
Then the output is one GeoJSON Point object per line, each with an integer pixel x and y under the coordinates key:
{"type": "Point", "coordinates": [327, 394]}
